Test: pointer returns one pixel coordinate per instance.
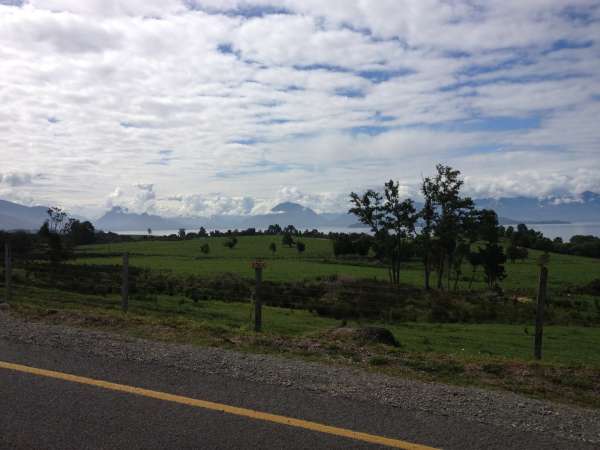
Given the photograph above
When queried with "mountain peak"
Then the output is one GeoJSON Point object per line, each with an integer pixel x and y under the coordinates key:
{"type": "Point", "coordinates": [291, 207]}
{"type": "Point", "coordinates": [589, 196]}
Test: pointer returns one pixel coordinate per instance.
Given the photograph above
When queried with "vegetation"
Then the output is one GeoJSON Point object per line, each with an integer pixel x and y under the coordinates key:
{"type": "Point", "coordinates": [231, 242]}
{"type": "Point", "coordinates": [320, 262]}
{"type": "Point", "coordinates": [523, 238]}
{"type": "Point", "coordinates": [449, 222]}
{"type": "Point", "coordinates": [478, 314]}
{"type": "Point", "coordinates": [487, 355]}
{"type": "Point", "coordinates": [392, 222]}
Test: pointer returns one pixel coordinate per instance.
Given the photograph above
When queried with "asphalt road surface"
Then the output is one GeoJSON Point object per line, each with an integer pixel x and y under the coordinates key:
{"type": "Point", "coordinates": [44, 412]}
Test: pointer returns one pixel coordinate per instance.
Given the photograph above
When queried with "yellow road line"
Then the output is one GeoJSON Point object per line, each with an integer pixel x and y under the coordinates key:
{"type": "Point", "coordinates": [249, 413]}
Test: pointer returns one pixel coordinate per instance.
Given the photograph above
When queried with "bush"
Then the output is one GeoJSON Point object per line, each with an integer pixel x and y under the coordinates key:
{"type": "Point", "coordinates": [287, 239]}
{"type": "Point", "coordinates": [231, 242]}
{"type": "Point", "coordinates": [345, 244]}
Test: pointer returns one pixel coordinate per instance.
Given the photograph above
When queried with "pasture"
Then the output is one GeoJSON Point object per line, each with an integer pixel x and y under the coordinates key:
{"type": "Point", "coordinates": [488, 343]}
{"type": "Point", "coordinates": [318, 262]}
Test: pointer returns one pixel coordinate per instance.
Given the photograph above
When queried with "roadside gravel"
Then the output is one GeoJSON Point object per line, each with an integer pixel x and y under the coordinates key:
{"type": "Point", "coordinates": [503, 409]}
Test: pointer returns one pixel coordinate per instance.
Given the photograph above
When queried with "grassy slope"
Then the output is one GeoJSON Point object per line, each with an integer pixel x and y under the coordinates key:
{"type": "Point", "coordinates": [318, 261]}
{"type": "Point", "coordinates": [563, 345]}
{"type": "Point", "coordinates": [489, 355]}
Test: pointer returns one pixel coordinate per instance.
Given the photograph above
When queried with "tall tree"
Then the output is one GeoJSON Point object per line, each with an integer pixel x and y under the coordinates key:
{"type": "Point", "coordinates": [57, 220]}
{"type": "Point", "coordinates": [492, 254]}
{"type": "Point", "coordinates": [291, 229]}
{"type": "Point", "coordinates": [392, 222]}
{"type": "Point", "coordinates": [273, 229]}
{"type": "Point", "coordinates": [427, 215]}
{"type": "Point", "coordinates": [80, 233]}
{"type": "Point", "coordinates": [452, 212]}
{"type": "Point", "coordinates": [288, 239]}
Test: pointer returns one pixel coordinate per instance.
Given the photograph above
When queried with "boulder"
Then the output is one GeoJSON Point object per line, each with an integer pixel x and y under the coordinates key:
{"type": "Point", "coordinates": [378, 335]}
{"type": "Point", "coordinates": [367, 335]}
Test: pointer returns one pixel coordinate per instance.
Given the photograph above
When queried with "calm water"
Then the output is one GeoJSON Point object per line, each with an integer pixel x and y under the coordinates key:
{"type": "Point", "coordinates": [565, 231]}
{"type": "Point", "coordinates": [224, 230]}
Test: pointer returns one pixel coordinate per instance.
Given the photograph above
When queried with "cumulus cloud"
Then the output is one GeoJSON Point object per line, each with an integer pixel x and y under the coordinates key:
{"type": "Point", "coordinates": [233, 106]}
{"type": "Point", "coordinates": [319, 202]}
{"type": "Point", "coordinates": [211, 205]}
{"type": "Point", "coordinates": [15, 179]}
{"type": "Point", "coordinates": [137, 198]}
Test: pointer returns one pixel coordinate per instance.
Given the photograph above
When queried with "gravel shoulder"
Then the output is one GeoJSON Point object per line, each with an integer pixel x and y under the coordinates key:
{"type": "Point", "coordinates": [500, 409]}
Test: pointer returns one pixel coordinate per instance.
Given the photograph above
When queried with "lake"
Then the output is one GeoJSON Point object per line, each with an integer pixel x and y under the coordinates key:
{"type": "Point", "coordinates": [562, 230]}
{"type": "Point", "coordinates": [566, 230]}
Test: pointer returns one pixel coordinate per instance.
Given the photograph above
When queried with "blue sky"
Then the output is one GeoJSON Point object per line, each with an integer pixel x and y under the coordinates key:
{"type": "Point", "coordinates": [202, 107]}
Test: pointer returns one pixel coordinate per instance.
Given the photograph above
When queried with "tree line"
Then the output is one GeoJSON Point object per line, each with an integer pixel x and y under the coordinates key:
{"type": "Point", "coordinates": [579, 245]}
{"type": "Point", "coordinates": [56, 238]}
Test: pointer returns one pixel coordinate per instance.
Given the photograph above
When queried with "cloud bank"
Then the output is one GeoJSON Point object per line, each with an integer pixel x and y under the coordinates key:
{"type": "Point", "coordinates": [210, 107]}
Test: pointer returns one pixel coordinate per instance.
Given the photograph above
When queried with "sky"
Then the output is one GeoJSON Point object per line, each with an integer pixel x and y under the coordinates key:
{"type": "Point", "coordinates": [203, 107]}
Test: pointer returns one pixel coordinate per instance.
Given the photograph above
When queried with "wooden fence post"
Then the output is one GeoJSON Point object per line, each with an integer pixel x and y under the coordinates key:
{"type": "Point", "coordinates": [125, 283]}
{"type": "Point", "coordinates": [7, 272]}
{"type": "Point", "coordinates": [258, 266]}
{"type": "Point", "coordinates": [257, 300]}
{"type": "Point", "coordinates": [539, 315]}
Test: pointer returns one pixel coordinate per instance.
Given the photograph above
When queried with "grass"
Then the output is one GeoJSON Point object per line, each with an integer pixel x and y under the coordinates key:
{"type": "Point", "coordinates": [562, 345]}
{"type": "Point", "coordinates": [318, 261]}
{"type": "Point", "coordinates": [487, 355]}
{"type": "Point", "coordinates": [277, 269]}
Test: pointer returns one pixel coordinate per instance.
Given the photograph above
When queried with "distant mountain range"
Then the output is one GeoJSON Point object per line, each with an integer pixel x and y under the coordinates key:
{"type": "Point", "coordinates": [510, 210]}
{"type": "Point", "coordinates": [586, 208]}
{"type": "Point", "coordinates": [118, 219]}
{"type": "Point", "coordinates": [18, 217]}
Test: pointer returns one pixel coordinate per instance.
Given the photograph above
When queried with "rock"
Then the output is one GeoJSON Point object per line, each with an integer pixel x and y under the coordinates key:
{"type": "Point", "coordinates": [4, 306]}
{"type": "Point", "coordinates": [379, 335]}
{"type": "Point", "coordinates": [371, 335]}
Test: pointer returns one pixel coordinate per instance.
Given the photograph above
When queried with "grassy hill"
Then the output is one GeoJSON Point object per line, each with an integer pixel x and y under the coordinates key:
{"type": "Point", "coordinates": [318, 261]}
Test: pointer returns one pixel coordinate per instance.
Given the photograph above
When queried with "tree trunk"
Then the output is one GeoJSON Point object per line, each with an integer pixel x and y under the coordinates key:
{"type": "Point", "coordinates": [394, 270]}
{"type": "Point", "coordinates": [440, 281]}
{"type": "Point", "coordinates": [427, 272]}
{"type": "Point", "coordinates": [449, 275]}
{"type": "Point", "coordinates": [472, 279]}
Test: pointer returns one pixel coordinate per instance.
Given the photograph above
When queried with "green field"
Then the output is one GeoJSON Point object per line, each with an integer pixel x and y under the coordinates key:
{"type": "Point", "coordinates": [185, 257]}
{"type": "Point", "coordinates": [497, 353]}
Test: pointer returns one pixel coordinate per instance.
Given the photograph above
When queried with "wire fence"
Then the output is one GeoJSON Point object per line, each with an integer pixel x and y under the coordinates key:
{"type": "Point", "coordinates": [336, 297]}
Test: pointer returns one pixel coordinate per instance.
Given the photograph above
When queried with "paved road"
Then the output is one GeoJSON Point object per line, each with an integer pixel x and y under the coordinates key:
{"type": "Point", "coordinates": [41, 412]}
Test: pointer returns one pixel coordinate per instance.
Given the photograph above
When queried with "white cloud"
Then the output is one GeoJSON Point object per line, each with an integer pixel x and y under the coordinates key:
{"type": "Point", "coordinates": [211, 204]}
{"type": "Point", "coordinates": [15, 179]}
{"type": "Point", "coordinates": [137, 198]}
{"type": "Point", "coordinates": [94, 91]}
